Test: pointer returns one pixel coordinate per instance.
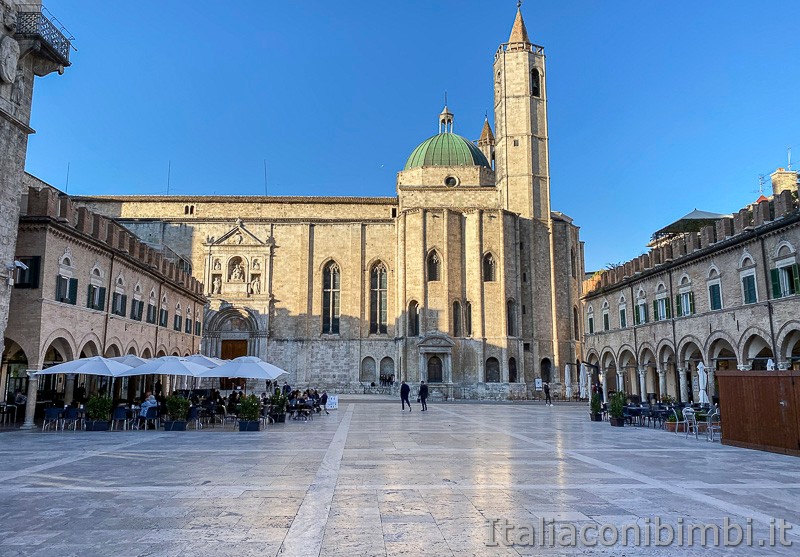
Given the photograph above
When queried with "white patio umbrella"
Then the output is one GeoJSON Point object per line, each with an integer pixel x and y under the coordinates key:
{"type": "Point", "coordinates": [568, 380]}
{"type": "Point", "coordinates": [205, 361]}
{"type": "Point", "coordinates": [702, 381]}
{"type": "Point", "coordinates": [246, 367]}
{"type": "Point", "coordinates": [130, 360]}
{"type": "Point", "coordinates": [95, 365]}
{"type": "Point", "coordinates": [584, 379]}
{"type": "Point", "coordinates": [165, 365]}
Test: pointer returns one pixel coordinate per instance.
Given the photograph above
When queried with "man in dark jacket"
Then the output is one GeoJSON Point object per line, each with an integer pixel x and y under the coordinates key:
{"type": "Point", "coordinates": [323, 401]}
{"type": "Point", "coordinates": [404, 392]}
{"type": "Point", "coordinates": [547, 399]}
{"type": "Point", "coordinates": [423, 395]}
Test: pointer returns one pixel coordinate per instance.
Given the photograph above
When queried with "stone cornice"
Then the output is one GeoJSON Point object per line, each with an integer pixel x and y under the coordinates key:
{"type": "Point", "coordinates": [262, 199]}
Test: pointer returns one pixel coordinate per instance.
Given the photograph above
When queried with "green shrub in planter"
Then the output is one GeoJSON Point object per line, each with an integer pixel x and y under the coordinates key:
{"type": "Point", "coordinates": [177, 408]}
{"type": "Point", "coordinates": [250, 408]}
{"type": "Point", "coordinates": [98, 408]}
{"type": "Point", "coordinates": [595, 408]}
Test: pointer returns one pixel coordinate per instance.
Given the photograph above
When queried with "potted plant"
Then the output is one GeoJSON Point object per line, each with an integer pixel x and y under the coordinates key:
{"type": "Point", "coordinates": [616, 409]}
{"type": "Point", "coordinates": [177, 410]}
{"type": "Point", "coordinates": [594, 408]}
{"type": "Point", "coordinates": [249, 408]}
{"type": "Point", "coordinates": [278, 403]}
{"type": "Point", "coordinates": [668, 400]}
{"type": "Point", "coordinates": [98, 413]}
{"type": "Point", "coordinates": [675, 421]}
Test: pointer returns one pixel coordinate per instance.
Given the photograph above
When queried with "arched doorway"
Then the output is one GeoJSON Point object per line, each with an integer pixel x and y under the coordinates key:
{"type": "Point", "coordinates": [367, 374]}
{"type": "Point", "coordinates": [58, 386]}
{"type": "Point", "coordinates": [512, 370]}
{"type": "Point", "coordinates": [12, 373]}
{"type": "Point", "coordinates": [434, 369]}
{"type": "Point", "coordinates": [492, 370]}
{"type": "Point", "coordinates": [387, 370]}
{"type": "Point", "coordinates": [546, 369]}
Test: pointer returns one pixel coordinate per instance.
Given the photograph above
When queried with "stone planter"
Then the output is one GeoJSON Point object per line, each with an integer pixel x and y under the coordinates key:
{"type": "Point", "coordinates": [249, 425]}
{"type": "Point", "coordinates": [617, 422]}
{"type": "Point", "coordinates": [177, 425]}
{"type": "Point", "coordinates": [96, 425]}
{"type": "Point", "coordinates": [673, 426]}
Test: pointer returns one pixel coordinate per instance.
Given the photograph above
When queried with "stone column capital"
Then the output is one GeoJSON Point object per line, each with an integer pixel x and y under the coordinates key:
{"type": "Point", "coordinates": [744, 367]}
{"type": "Point", "coordinates": [783, 366]}
{"type": "Point", "coordinates": [661, 372]}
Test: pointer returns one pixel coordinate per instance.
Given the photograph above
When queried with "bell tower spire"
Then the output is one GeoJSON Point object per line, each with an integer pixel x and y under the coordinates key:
{"type": "Point", "coordinates": [445, 118]}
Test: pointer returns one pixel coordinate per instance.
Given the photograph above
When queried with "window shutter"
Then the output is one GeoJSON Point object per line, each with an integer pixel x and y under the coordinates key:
{"type": "Point", "coordinates": [89, 296]}
{"type": "Point", "coordinates": [656, 317]}
{"type": "Point", "coordinates": [796, 276]}
{"type": "Point", "coordinates": [775, 276]}
{"type": "Point", "coordinates": [72, 291]}
{"type": "Point", "coordinates": [669, 312]}
{"type": "Point", "coordinates": [102, 299]}
{"type": "Point", "coordinates": [691, 303]}
{"type": "Point", "coordinates": [678, 308]}
{"type": "Point", "coordinates": [114, 300]}
{"type": "Point", "coordinates": [33, 270]}
{"type": "Point", "coordinates": [59, 280]}
{"type": "Point", "coordinates": [646, 316]}
{"type": "Point", "coordinates": [124, 305]}
{"type": "Point", "coordinates": [636, 315]}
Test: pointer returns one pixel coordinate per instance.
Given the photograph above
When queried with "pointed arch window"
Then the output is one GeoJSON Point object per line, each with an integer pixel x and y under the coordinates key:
{"type": "Point", "coordinates": [573, 263]}
{"type": "Point", "coordinates": [377, 300]}
{"type": "Point", "coordinates": [575, 326]}
{"type": "Point", "coordinates": [457, 332]}
{"type": "Point", "coordinates": [535, 83]}
{"type": "Point", "coordinates": [489, 268]}
{"type": "Point", "coordinates": [434, 267]}
{"type": "Point", "coordinates": [413, 319]}
{"type": "Point", "coordinates": [511, 316]}
{"type": "Point", "coordinates": [331, 284]}
{"type": "Point", "coordinates": [468, 319]}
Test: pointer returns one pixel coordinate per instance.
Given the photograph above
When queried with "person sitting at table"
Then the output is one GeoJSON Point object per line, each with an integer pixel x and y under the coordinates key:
{"type": "Point", "coordinates": [149, 402]}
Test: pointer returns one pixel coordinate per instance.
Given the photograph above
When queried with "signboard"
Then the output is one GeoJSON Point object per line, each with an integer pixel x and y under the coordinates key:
{"type": "Point", "coordinates": [538, 383]}
{"type": "Point", "coordinates": [333, 402]}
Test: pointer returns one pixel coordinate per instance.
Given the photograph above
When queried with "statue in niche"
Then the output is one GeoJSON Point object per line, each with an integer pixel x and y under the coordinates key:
{"type": "Point", "coordinates": [237, 275]}
{"type": "Point", "coordinates": [216, 286]}
{"type": "Point", "coordinates": [255, 285]}
{"type": "Point", "coordinates": [256, 264]}
{"type": "Point", "coordinates": [217, 265]}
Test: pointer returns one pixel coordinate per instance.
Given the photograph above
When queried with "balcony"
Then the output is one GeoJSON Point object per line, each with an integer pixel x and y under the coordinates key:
{"type": "Point", "coordinates": [36, 26]}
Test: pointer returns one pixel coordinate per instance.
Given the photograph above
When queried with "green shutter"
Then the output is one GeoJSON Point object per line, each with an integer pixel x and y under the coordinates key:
{"type": "Point", "coordinates": [655, 310]}
{"type": "Point", "coordinates": [102, 299]}
{"type": "Point", "coordinates": [636, 314]}
{"type": "Point", "coordinates": [59, 278]}
{"type": "Point", "coordinates": [72, 294]}
{"type": "Point", "coordinates": [124, 308]}
{"type": "Point", "coordinates": [89, 296]}
{"type": "Point", "coordinates": [646, 316]}
{"type": "Point", "coordinates": [691, 303]}
{"type": "Point", "coordinates": [796, 275]}
{"type": "Point", "coordinates": [669, 312]}
{"type": "Point", "coordinates": [678, 308]}
{"type": "Point", "coordinates": [775, 275]}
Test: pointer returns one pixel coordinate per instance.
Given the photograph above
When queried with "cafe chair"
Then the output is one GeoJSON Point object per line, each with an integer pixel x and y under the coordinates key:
{"type": "Point", "coordinates": [713, 425]}
{"type": "Point", "coordinates": [120, 415]}
{"type": "Point", "coordinates": [72, 419]}
{"type": "Point", "coordinates": [691, 422]}
{"type": "Point", "coordinates": [52, 418]}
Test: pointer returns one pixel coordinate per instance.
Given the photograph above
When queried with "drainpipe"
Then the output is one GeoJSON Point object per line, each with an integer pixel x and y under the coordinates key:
{"type": "Point", "coordinates": [674, 340]}
{"type": "Point", "coordinates": [635, 336]}
{"type": "Point", "coordinates": [107, 316]}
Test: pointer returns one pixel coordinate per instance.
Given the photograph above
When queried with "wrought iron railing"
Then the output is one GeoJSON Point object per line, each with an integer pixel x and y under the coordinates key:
{"type": "Point", "coordinates": [36, 25]}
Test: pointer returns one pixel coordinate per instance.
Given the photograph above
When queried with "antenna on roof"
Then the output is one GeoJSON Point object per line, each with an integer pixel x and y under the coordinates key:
{"type": "Point", "coordinates": [789, 166]}
{"type": "Point", "coordinates": [169, 174]}
{"type": "Point", "coordinates": [761, 180]}
{"type": "Point", "coordinates": [66, 183]}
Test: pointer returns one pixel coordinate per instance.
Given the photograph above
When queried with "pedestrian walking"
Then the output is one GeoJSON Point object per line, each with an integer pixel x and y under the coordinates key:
{"type": "Point", "coordinates": [547, 399]}
{"type": "Point", "coordinates": [423, 395]}
{"type": "Point", "coordinates": [405, 390]}
{"type": "Point", "coordinates": [323, 401]}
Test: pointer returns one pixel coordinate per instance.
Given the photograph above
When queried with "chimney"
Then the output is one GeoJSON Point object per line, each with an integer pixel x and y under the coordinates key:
{"type": "Point", "coordinates": [783, 180]}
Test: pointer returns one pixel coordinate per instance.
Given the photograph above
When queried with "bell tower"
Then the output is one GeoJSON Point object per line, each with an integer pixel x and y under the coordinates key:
{"type": "Point", "coordinates": [523, 180]}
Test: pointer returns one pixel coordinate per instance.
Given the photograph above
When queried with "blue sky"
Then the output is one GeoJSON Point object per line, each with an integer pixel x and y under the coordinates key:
{"type": "Point", "coordinates": [655, 107]}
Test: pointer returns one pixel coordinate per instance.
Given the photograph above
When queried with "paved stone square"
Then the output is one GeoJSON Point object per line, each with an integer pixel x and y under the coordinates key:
{"type": "Point", "coordinates": [371, 480]}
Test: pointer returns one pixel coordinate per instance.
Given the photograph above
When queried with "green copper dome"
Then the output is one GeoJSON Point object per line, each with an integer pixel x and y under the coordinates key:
{"type": "Point", "coordinates": [446, 149]}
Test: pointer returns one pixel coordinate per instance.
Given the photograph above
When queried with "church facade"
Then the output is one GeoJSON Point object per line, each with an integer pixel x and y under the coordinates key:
{"type": "Point", "coordinates": [465, 279]}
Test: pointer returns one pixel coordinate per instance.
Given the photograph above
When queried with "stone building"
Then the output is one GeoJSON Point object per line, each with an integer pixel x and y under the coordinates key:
{"type": "Point", "coordinates": [30, 46]}
{"type": "Point", "coordinates": [89, 287]}
{"type": "Point", "coordinates": [466, 279]}
{"type": "Point", "coordinates": [721, 290]}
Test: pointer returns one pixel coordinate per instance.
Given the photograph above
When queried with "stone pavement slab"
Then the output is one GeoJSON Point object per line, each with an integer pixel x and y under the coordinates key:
{"type": "Point", "coordinates": [461, 479]}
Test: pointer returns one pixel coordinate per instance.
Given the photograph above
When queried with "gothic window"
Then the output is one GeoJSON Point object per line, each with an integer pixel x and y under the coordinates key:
{"type": "Point", "coordinates": [331, 284]}
{"type": "Point", "coordinates": [572, 262]}
{"type": "Point", "coordinates": [151, 309]}
{"type": "Point", "coordinates": [163, 313]}
{"type": "Point", "coordinates": [468, 319]}
{"type": "Point", "coordinates": [714, 289]}
{"type": "Point", "coordinates": [119, 300]}
{"type": "Point", "coordinates": [489, 268]}
{"type": "Point", "coordinates": [492, 370]}
{"type": "Point", "coordinates": [413, 319]}
{"type": "Point", "coordinates": [377, 300]}
{"type": "Point", "coordinates": [785, 277]}
{"type": "Point", "coordinates": [511, 315]}
{"type": "Point", "coordinates": [434, 266]}
{"type": "Point", "coordinates": [661, 305]}
{"type": "Point", "coordinates": [606, 320]}
{"type": "Point", "coordinates": [177, 320]}
{"type": "Point", "coordinates": [535, 83]}
{"type": "Point", "coordinates": [590, 320]}
{"type": "Point", "coordinates": [576, 331]}
{"type": "Point", "coordinates": [96, 294]}
{"type": "Point", "coordinates": [457, 319]}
